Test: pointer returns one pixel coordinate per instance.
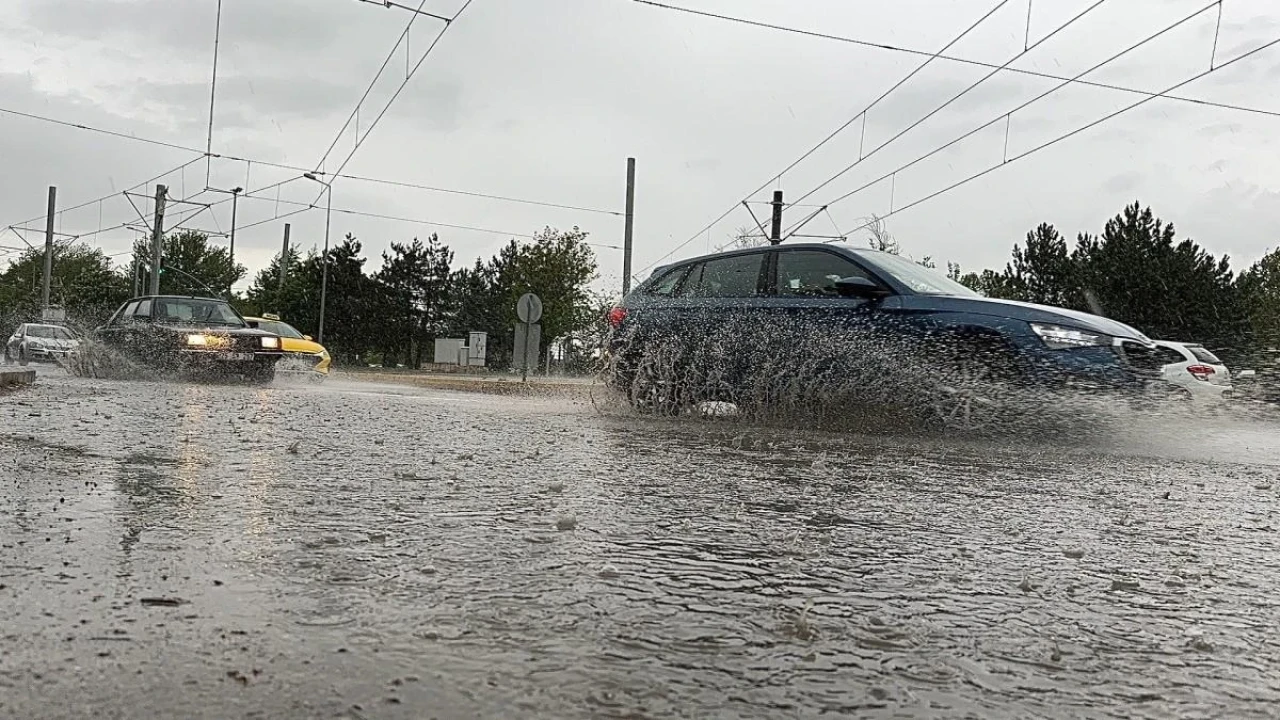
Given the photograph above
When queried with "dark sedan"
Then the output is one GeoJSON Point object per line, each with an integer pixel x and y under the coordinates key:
{"type": "Point", "coordinates": [205, 336]}
{"type": "Point", "coordinates": [808, 321]}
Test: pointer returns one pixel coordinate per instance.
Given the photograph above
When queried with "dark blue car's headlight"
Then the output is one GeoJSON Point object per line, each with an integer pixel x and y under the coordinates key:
{"type": "Point", "coordinates": [1061, 337]}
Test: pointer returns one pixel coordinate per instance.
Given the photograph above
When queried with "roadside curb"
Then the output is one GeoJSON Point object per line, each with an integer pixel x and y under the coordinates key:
{"type": "Point", "coordinates": [483, 385]}
{"type": "Point", "coordinates": [16, 378]}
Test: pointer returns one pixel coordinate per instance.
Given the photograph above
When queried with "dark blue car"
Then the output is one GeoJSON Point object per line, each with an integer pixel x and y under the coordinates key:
{"type": "Point", "coordinates": [813, 321]}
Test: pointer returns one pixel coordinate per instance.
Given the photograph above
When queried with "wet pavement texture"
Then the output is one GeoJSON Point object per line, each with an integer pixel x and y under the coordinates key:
{"type": "Point", "coordinates": [354, 550]}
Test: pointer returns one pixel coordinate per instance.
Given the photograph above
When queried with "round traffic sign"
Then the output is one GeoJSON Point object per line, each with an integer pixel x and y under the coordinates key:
{"type": "Point", "coordinates": [529, 308]}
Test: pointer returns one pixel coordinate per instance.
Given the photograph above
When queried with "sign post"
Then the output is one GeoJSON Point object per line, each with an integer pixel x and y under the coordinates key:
{"type": "Point", "coordinates": [528, 333]}
{"type": "Point", "coordinates": [477, 348]}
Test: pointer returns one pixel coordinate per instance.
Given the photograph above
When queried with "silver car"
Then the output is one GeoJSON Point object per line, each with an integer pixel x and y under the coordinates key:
{"type": "Point", "coordinates": [42, 343]}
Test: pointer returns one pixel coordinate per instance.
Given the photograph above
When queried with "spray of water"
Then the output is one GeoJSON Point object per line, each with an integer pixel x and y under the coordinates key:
{"type": "Point", "coordinates": [860, 380]}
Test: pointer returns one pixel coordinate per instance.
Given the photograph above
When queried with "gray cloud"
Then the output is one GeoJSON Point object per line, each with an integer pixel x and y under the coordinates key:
{"type": "Point", "coordinates": [546, 100]}
{"type": "Point", "coordinates": [183, 25]}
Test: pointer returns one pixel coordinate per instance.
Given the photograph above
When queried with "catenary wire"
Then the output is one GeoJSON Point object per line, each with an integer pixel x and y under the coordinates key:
{"type": "Point", "coordinates": [956, 59]}
{"type": "Point", "coordinates": [135, 186]}
{"type": "Point", "coordinates": [1150, 38]}
{"type": "Point", "coordinates": [1073, 133]}
{"type": "Point", "coordinates": [408, 77]}
{"type": "Point", "coordinates": [286, 166]}
{"type": "Point", "coordinates": [829, 137]}
{"type": "Point", "coordinates": [404, 35]}
{"type": "Point", "coordinates": [1076, 18]}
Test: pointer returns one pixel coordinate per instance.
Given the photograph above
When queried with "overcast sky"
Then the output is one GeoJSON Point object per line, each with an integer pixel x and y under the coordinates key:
{"type": "Point", "coordinates": [545, 100]}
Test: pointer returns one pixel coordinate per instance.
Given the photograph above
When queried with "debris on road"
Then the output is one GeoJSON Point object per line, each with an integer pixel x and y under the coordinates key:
{"type": "Point", "coordinates": [162, 601]}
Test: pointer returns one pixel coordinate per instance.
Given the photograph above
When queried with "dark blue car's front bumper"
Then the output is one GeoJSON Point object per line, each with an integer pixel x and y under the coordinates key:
{"type": "Point", "coordinates": [1097, 368]}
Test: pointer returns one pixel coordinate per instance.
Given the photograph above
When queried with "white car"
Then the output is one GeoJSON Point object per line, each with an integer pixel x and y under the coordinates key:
{"type": "Point", "coordinates": [39, 342]}
{"type": "Point", "coordinates": [1193, 368]}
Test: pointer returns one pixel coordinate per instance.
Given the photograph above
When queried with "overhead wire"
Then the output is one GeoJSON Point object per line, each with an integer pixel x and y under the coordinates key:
{"type": "Point", "coordinates": [408, 77]}
{"type": "Point", "coordinates": [391, 4]}
{"type": "Point", "coordinates": [186, 218]}
{"type": "Point", "coordinates": [208, 153]}
{"type": "Point", "coordinates": [404, 35]}
{"type": "Point", "coordinates": [833, 134]}
{"type": "Point", "coordinates": [112, 133]}
{"type": "Point", "coordinates": [953, 58]}
{"type": "Point", "coordinates": [863, 157]}
{"type": "Point", "coordinates": [200, 155]}
{"type": "Point", "coordinates": [302, 207]}
{"type": "Point", "coordinates": [1074, 132]}
{"type": "Point", "coordinates": [418, 221]}
{"type": "Point", "coordinates": [467, 193]}
{"type": "Point", "coordinates": [1009, 113]}
{"type": "Point", "coordinates": [213, 91]}
{"type": "Point", "coordinates": [112, 195]}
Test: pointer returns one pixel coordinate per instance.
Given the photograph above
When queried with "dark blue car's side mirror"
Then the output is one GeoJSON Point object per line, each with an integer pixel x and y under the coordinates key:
{"type": "Point", "coordinates": [860, 287]}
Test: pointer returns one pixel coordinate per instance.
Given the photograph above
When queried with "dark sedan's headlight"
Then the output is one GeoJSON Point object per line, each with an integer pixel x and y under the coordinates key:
{"type": "Point", "coordinates": [1061, 337]}
{"type": "Point", "coordinates": [206, 340]}
{"type": "Point", "coordinates": [271, 343]}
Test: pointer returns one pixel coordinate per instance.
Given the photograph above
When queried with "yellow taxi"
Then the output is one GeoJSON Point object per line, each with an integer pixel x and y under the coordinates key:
{"type": "Point", "coordinates": [301, 353]}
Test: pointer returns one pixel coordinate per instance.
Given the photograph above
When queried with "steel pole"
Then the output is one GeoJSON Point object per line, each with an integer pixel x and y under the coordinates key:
{"type": "Point", "coordinates": [284, 271]}
{"type": "Point", "coordinates": [235, 197]}
{"type": "Point", "coordinates": [324, 273]}
{"type": "Point", "coordinates": [628, 227]}
{"type": "Point", "coordinates": [157, 239]}
{"type": "Point", "coordinates": [48, 253]}
{"type": "Point", "coordinates": [775, 231]}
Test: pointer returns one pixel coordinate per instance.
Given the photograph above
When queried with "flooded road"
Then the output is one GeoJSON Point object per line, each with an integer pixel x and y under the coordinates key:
{"type": "Point", "coordinates": [355, 550]}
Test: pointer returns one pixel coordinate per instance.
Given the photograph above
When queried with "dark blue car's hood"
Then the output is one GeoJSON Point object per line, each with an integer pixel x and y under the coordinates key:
{"type": "Point", "coordinates": [1027, 312]}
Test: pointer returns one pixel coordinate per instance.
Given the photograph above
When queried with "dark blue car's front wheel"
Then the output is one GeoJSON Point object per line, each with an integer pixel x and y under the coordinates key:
{"type": "Point", "coordinates": [975, 385]}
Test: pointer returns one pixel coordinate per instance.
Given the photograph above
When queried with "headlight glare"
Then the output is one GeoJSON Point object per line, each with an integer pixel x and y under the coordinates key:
{"type": "Point", "coordinates": [198, 340]}
{"type": "Point", "coordinates": [1059, 337]}
{"type": "Point", "coordinates": [271, 343]}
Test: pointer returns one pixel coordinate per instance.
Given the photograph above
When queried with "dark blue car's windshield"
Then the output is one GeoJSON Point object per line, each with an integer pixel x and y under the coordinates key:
{"type": "Point", "coordinates": [918, 277]}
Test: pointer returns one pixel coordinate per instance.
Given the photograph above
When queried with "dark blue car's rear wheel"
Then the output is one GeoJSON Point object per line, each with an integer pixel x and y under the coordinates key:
{"type": "Point", "coordinates": [657, 379]}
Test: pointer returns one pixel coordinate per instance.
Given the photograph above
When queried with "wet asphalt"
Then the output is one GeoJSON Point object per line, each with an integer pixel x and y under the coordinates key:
{"type": "Point", "coordinates": [357, 550]}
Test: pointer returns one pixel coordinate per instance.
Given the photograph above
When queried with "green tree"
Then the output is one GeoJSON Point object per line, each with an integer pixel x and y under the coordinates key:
{"type": "Point", "coordinates": [1043, 271]}
{"type": "Point", "coordinates": [265, 296]}
{"type": "Point", "coordinates": [1259, 287]}
{"type": "Point", "coordinates": [191, 265]}
{"type": "Point", "coordinates": [82, 282]}
{"type": "Point", "coordinates": [416, 277]}
{"type": "Point", "coordinates": [989, 283]}
{"type": "Point", "coordinates": [357, 305]}
{"type": "Point", "coordinates": [476, 305]}
{"type": "Point", "coordinates": [1136, 272]}
{"type": "Point", "coordinates": [557, 266]}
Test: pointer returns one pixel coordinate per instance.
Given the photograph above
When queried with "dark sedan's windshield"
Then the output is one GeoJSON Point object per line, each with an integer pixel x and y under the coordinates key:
{"type": "Point", "coordinates": [195, 311]}
{"type": "Point", "coordinates": [918, 277]}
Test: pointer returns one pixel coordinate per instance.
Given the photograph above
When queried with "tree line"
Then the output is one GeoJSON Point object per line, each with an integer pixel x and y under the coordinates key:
{"type": "Point", "coordinates": [390, 316]}
{"type": "Point", "coordinates": [1138, 272]}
